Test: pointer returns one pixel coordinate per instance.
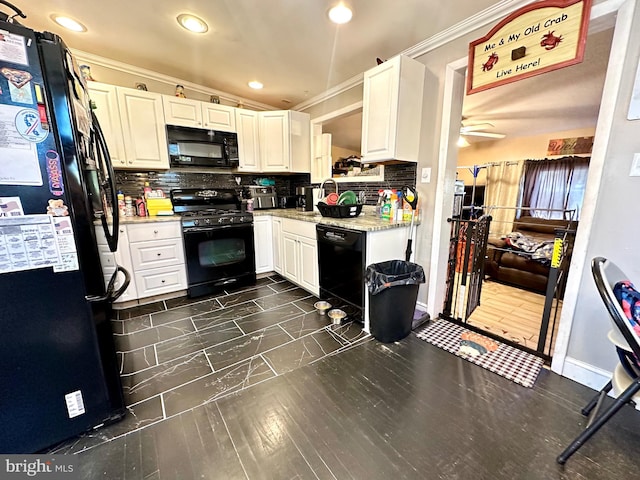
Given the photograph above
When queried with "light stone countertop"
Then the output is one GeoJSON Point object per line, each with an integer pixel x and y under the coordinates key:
{"type": "Point", "coordinates": [367, 221]}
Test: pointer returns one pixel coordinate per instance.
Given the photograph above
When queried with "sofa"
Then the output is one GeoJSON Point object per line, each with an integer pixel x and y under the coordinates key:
{"type": "Point", "coordinates": [508, 263]}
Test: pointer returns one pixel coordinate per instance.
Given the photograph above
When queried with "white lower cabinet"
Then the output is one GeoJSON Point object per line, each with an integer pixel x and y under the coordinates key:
{"type": "Point", "coordinates": [309, 276]}
{"type": "Point", "coordinates": [155, 281]}
{"type": "Point", "coordinates": [300, 254]}
{"type": "Point", "coordinates": [153, 253]}
{"type": "Point", "coordinates": [291, 254]}
{"type": "Point", "coordinates": [276, 224]}
{"type": "Point", "coordinates": [157, 256]}
{"type": "Point", "coordinates": [263, 241]}
{"type": "Point", "coordinates": [109, 260]}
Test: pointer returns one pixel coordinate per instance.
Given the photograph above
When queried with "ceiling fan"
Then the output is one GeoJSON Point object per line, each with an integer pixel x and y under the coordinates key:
{"type": "Point", "coordinates": [477, 130]}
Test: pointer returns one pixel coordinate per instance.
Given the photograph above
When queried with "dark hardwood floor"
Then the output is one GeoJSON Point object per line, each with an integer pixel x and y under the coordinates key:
{"type": "Point", "coordinates": [255, 384]}
{"type": "Point", "coordinates": [378, 411]}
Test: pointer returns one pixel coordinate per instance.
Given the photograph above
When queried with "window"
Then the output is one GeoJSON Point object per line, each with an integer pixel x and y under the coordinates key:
{"type": "Point", "coordinates": [551, 187]}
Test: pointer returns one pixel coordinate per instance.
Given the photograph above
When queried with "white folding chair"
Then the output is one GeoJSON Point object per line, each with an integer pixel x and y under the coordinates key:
{"type": "Point", "coordinates": [625, 381]}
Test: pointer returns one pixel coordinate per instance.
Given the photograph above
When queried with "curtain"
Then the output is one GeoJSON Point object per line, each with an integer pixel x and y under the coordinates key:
{"type": "Point", "coordinates": [503, 187]}
{"type": "Point", "coordinates": [552, 186]}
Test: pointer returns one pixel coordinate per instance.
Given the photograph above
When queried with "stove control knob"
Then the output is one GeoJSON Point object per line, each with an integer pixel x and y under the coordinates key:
{"type": "Point", "coordinates": [207, 221]}
{"type": "Point", "coordinates": [196, 222]}
{"type": "Point", "coordinates": [231, 219]}
{"type": "Point", "coordinates": [221, 220]}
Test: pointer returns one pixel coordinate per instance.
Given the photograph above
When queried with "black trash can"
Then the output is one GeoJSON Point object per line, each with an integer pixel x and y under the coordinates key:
{"type": "Point", "coordinates": [393, 292]}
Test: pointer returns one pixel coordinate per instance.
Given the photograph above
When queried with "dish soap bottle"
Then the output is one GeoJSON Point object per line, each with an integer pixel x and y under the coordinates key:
{"type": "Point", "coordinates": [385, 211]}
{"type": "Point", "coordinates": [380, 203]}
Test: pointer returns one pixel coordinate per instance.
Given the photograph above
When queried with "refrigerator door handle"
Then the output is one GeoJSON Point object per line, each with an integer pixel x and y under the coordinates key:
{"type": "Point", "coordinates": [15, 9]}
{"type": "Point", "coordinates": [103, 152]}
{"type": "Point", "coordinates": [111, 296]}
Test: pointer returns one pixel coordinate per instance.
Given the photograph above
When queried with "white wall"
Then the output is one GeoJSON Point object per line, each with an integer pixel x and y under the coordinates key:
{"type": "Point", "coordinates": [339, 152]}
{"type": "Point", "coordinates": [613, 233]}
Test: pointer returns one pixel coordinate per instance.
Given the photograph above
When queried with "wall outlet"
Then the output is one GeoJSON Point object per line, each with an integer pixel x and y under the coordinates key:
{"type": "Point", "coordinates": [635, 166]}
{"type": "Point", "coordinates": [425, 177]}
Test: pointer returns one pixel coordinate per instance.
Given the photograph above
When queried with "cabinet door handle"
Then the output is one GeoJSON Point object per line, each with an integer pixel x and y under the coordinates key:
{"type": "Point", "coordinates": [162, 281]}
{"type": "Point", "coordinates": [159, 254]}
{"type": "Point", "coordinates": [155, 232]}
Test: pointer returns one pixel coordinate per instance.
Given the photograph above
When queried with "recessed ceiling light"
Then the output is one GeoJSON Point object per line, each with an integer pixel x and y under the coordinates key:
{"type": "Point", "coordinates": [340, 14]}
{"type": "Point", "coordinates": [255, 85]}
{"type": "Point", "coordinates": [69, 23]}
{"type": "Point", "coordinates": [192, 23]}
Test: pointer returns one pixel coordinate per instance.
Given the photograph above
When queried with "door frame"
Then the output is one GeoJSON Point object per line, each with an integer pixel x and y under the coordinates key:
{"type": "Point", "coordinates": [610, 13]}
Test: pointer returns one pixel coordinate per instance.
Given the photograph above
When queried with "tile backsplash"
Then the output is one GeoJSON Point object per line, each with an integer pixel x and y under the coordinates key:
{"type": "Point", "coordinates": [132, 182]}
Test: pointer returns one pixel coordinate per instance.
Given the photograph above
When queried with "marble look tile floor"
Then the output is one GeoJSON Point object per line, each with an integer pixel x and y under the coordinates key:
{"type": "Point", "coordinates": [181, 353]}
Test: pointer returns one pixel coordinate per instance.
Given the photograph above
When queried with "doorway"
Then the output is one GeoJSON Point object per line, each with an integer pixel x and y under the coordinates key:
{"type": "Point", "coordinates": [604, 16]}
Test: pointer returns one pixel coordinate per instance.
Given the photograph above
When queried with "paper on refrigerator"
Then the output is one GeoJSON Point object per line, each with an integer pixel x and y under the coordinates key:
{"type": "Point", "coordinates": [28, 242]}
{"type": "Point", "coordinates": [19, 163]}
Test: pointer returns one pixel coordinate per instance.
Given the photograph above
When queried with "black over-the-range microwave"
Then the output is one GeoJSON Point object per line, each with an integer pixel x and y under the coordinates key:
{"type": "Point", "coordinates": [196, 147]}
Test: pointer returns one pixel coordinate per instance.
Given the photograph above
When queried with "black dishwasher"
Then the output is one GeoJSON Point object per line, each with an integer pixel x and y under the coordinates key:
{"type": "Point", "coordinates": [341, 260]}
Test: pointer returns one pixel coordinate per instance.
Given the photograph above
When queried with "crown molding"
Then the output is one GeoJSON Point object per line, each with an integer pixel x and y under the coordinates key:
{"type": "Point", "coordinates": [480, 19]}
{"type": "Point", "coordinates": [332, 92]}
{"type": "Point", "coordinates": [169, 80]}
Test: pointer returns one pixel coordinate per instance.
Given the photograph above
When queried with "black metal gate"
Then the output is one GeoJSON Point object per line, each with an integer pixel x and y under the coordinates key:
{"type": "Point", "coordinates": [465, 276]}
{"type": "Point", "coordinates": [467, 251]}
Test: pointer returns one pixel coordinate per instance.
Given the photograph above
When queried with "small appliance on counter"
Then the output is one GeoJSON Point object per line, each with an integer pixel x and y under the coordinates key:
{"type": "Point", "coordinates": [263, 196]}
{"type": "Point", "coordinates": [288, 201]}
{"type": "Point", "coordinates": [304, 199]}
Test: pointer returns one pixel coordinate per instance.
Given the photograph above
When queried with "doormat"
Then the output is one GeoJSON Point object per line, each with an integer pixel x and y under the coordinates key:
{"type": "Point", "coordinates": [508, 362]}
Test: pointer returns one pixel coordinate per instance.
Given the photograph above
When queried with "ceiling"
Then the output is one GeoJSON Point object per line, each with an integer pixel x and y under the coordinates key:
{"type": "Point", "coordinates": [288, 45]}
{"type": "Point", "coordinates": [297, 53]}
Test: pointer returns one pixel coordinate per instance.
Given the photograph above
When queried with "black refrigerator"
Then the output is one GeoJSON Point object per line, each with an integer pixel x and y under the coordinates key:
{"type": "Point", "coordinates": [59, 374]}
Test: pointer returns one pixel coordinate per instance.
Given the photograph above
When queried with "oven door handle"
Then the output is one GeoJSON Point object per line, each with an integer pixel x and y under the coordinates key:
{"type": "Point", "coordinates": [215, 228]}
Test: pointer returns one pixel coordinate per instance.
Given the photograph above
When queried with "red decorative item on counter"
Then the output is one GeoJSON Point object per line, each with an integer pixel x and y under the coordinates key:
{"type": "Point", "coordinates": [141, 208]}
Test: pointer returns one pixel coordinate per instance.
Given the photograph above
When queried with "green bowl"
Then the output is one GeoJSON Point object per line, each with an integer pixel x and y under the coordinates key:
{"type": "Point", "coordinates": [347, 198]}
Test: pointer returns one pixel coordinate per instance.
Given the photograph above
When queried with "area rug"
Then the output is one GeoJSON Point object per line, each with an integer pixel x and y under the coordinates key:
{"type": "Point", "coordinates": [508, 362]}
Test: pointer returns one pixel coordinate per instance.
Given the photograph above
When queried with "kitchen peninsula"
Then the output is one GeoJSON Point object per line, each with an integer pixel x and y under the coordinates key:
{"type": "Point", "coordinates": [285, 242]}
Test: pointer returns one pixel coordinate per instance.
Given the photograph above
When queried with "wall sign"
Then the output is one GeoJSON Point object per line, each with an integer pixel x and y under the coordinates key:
{"type": "Point", "coordinates": [535, 39]}
{"type": "Point", "coordinates": [570, 146]}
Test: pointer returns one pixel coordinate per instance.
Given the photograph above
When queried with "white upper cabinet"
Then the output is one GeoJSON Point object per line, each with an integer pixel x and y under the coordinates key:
{"type": "Point", "coordinates": [392, 110]}
{"type": "Point", "coordinates": [248, 140]}
{"type": "Point", "coordinates": [143, 128]}
{"type": "Point", "coordinates": [219, 117]}
{"type": "Point", "coordinates": [106, 110]}
{"type": "Point", "coordinates": [182, 112]}
{"type": "Point", "coordinates": [275, 149]}
{"type": "Point", "coordinates": [185, 112]}
{"type": "Point", "coordinates": [285, 141]}
{"type": "Point", "coordinates": [133, 125]}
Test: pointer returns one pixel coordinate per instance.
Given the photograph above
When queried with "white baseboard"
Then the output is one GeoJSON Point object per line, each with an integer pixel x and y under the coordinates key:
{"type": "Point", "coordinates": [585, 374]}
